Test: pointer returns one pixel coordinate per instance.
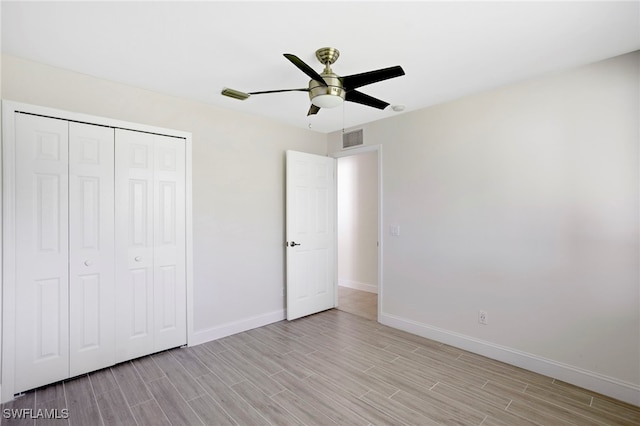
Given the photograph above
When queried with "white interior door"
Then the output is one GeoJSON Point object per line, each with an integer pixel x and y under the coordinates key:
{"type": "Point", "coordinates": [41, 235]}
{"type": "Point", "coordinates": [134, 244]}
{"type": "Point", "coordinates": [170, 296]}
{"type": "Point", "coordinates": [311, 245]}
{"type": "Point", "coordinates": [150, 243]}
{"type": "Point", "coordinates": [61, 311]}
{"type": "Point", "coordinates": [91, 248]}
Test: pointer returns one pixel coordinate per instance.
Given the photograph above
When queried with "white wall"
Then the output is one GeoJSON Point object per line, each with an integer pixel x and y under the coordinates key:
{"type": "Point", "coordinates": [238, 186]}
{"type": "Point", "coordinates": [358, 221]}
{"type": "Point", "coordinates": [522, 202]}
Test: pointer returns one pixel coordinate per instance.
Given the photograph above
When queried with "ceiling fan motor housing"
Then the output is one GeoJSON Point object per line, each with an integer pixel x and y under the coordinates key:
{"type": "Point", "coordinates": [328, 96]}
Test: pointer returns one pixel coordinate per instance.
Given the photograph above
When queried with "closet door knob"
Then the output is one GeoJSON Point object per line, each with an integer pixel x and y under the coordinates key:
{"type": "Point", "coordinates": [138, 258]}
{"type": "Point", "coordinates": [88, 263]}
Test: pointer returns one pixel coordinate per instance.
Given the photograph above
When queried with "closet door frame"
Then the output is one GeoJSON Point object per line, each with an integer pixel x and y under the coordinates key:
{"type": "Point", "coordinates": [8, 238]}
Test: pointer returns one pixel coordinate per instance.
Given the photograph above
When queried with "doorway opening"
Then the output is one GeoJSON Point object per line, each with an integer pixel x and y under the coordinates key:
{"type": "Point", "coordinates": [358, 232]}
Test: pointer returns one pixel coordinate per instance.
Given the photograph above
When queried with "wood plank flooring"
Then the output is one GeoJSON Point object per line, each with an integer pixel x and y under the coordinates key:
{"type": "Point", "coordinates": [357, 302]}
{"type": "Point", "coordinates": [332, 368]}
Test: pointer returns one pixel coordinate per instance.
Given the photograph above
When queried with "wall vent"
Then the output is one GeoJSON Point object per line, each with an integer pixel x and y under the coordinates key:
{"type": "Point", "coordinates": [351, 139]}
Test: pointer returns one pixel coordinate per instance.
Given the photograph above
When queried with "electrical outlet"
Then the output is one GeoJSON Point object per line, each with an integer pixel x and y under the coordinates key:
{"type": "Point", "coordinates": [483, 317]}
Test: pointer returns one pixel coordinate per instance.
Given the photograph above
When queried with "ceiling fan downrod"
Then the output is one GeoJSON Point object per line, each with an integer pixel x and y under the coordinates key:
{"type": "Point", "coordinates": [327, 56]}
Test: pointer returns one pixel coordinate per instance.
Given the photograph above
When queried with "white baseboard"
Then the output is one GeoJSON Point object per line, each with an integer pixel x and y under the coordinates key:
{"type": "Point", "coordinates": [235, 327]}
{"type": "Point", "coordinates": [615, 388]}
{"type": "Point", "coordinates": [371, 288]}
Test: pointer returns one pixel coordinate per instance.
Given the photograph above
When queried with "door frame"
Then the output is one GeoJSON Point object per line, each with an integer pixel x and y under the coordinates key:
{"type": "Point", "coordinates": [347, 153]}
{"type": "Point", "coordinates": [7, 209]}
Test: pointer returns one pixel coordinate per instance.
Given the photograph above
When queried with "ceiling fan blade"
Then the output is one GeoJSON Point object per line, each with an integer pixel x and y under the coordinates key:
{"type": "Point", "coordinates": [305, 68]}
{"type": "Point", "coordinates": [313, 110]}
{"type": "Point", "coordinates": [354, 81]}
{"type": "Point", "coordinates": [278, 91]}
{"type": "Point", "coordinates": [236, 94]}
{"type": "Point", "coordinates": [361, 98]}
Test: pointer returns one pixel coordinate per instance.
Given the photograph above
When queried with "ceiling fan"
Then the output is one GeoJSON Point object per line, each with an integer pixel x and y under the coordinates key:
{"type": "Point", "coordinates": [328, 90]}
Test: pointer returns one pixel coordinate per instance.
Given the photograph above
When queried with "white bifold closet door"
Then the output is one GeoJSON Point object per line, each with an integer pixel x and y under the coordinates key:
{"type": "Point", "coordinates": [91, 256]}
{"type": "Point", "coordinates": [150, 243]}
{"type": "Point", "coordinates": [42, 246]}
{"type": "Point", "coordinates": [64, 302]}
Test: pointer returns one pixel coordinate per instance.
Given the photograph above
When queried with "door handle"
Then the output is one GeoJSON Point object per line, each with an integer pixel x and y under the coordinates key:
{"type": "Point", "coordinates": [293, 244]}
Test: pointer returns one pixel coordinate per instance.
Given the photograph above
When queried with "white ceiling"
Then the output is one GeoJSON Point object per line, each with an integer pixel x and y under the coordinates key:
{"type": "Point", "coordinates": [194, 49]}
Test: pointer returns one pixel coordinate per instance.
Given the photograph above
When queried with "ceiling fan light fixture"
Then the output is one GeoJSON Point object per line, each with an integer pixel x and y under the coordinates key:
{"type": "Point", "coordinates": [330, 95]}
{"type": "Point", "coordinates": [327, 101]}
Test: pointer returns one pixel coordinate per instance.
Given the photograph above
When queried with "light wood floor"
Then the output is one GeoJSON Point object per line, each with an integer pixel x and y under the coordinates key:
{"type": "Point", "coordinates": [357, 302]}
{"type": "Point", "coordinates": [326, 369]}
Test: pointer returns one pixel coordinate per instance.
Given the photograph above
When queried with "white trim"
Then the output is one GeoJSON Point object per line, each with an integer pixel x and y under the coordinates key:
{"type": "Point", "coordinates": [235, 327]}
{"type": "Point", "coordinates": [13, 106]}
{"type": "Point", "coordinates": [189, 237]}
{"type": "Point", "coordinates": [610, 386]}
{"type": "Point", "coordinates": [7, 275]}
{"type": "Point", "coordinates": [8, 254]}
{"type": "Point", "coordinates": [357, 285]}
{"type": "Point", "coordinates": [362, 150]}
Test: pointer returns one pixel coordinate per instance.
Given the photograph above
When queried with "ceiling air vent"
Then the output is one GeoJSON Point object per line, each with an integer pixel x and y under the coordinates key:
{"type": "Point", "coordinates": [351, 139]}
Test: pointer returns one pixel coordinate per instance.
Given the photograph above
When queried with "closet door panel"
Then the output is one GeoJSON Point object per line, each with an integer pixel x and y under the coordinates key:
{"type": "Point", "coordinates": [169, 235]}
{"type": "Point", "coordinates": [41, 288]}
{"type": "Point", "coordinates": [134, 239]}
{"type": "Point", "coordinates": [91, 258]}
